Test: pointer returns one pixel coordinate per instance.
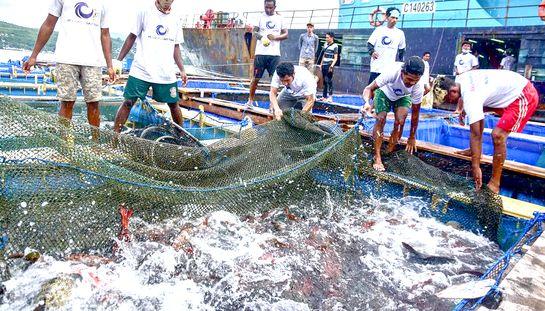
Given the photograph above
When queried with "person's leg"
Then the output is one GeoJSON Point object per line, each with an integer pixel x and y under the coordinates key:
{"type": "Point", "coordinates": [93, 114]}
{"type": "Point", "coordinates": [309, 64]}
{"type": "Point", "coordinates": [259, 70]}
{"type": "Point", "coordinates": [271, 64]}
{"type": "Point", "coordinates": [372, 77]}
{"type": "Point", "coordinates": [513, 119]}
{"type": "Point", "coordinates": [168, 93]}
{"type": "Point", "coordinates": [499, 137]}
{"type": "Point", "coordinates": [134, 89]}
{"type": "Point", "coordinates": [66, 110]}
{"type": "Point", "coordinates": [400, 117]}
{"type": "Point", "coordinates": [286, 101]}
{"type": "Point", "coordinates": [382, 107]}
{"type": "Point", "coordinates": [330, 82]}
{"type": "Point", "coordinates": [123, 114]}
{"type": "Point", "coordinates": [91, 84]}
{"type": "Point", "coordinates": [176, 113]}
{"type": "Point", "coordinates": [67, 88]}
{"type": "Point", "coordinates": [325, 69]}
{"type": "Point", "coordinates": [378, 133]}
{"type": "Point", "coordinates": [253, 88]}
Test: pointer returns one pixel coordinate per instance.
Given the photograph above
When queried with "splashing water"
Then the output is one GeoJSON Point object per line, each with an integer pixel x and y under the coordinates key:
{"type": "Point", "coordinates": [294, 258]}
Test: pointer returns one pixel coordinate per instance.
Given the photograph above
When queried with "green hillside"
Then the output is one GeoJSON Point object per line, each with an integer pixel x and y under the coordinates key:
{"type": "Point", "coordinates": [18, 37]}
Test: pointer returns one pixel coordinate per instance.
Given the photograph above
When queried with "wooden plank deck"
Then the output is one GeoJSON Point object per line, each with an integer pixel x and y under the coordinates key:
{"type": "Point", "coordinates": [513, 166]}
{"type": "Point", "coordinates": [258, 115]}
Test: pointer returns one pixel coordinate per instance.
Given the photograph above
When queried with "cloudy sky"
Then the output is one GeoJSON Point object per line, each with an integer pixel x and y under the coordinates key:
{"type": "Point", "coordinates": [18, 12]}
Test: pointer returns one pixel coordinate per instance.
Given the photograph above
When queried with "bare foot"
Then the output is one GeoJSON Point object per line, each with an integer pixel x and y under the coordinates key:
{"type": "Point", "coordinates": [493, 187]}
{"type": "Point", "coordinates": [465, 152]}
{"type": "Point", "coordinates": [378, 166]}
{"type": "Point", "coordinates": [250, 104]}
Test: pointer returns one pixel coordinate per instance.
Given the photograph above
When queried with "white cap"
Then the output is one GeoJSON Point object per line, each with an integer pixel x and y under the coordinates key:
{"type": "Point", "coordinates": [394, 13]}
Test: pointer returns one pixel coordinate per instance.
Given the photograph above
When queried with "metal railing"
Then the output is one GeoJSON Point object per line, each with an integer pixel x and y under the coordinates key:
{"type": "Point", "coordinates": [458, 13]}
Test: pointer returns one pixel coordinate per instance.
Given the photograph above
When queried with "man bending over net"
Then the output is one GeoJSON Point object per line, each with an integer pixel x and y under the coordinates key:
{"type": "Point", "coordinates": [396, 89]}
{"type": "Point", "coordinates": [505, 92]}
{"type": "Point", "coordinates": [299, 89]}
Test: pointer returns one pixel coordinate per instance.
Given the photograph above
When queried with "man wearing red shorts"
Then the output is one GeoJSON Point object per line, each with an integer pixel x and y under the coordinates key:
{"type": "Point", "coordinates": [504, 92]}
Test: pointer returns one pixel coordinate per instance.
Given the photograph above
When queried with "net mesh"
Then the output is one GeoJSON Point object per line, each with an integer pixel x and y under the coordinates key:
{"type": "Point", "coordinates": [61, 184]}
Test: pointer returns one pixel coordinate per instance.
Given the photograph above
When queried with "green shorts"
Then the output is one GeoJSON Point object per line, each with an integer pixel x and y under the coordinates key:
{"type": "Point", "coordinates": [384, 104]}
{"type": "Point", "coordinates": [163, 93]}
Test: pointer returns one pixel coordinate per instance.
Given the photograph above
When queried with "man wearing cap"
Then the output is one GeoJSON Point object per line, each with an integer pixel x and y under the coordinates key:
{"type": "Point", "coordinates": [397, 89]}
{"type": "Point", "coordinates": [465, 61]}
{"type": "Point", "coordinates": [504, 92]}
{"type": "Point", "coordinates": [385, 43]}
{"type": "Point", "coordinates": [308, 43]}
{"type": "Point", "coordinates": [299, 89]}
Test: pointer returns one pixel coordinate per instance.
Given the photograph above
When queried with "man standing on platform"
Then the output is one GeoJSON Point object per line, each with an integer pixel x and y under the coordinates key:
{"type": "Point", "coordinates": [427, 101]}
{"type": "Point", "coordinates": [398, 89]}
{"type": "Point", "coordinates": [83, 48]}
{"type": "Point", "coordinates": [386, 42]}
{"type": "Point", "coordinates": [308, 44]}
{"type": "Point", "coordinates": [158, 33]}
{"type": "Point", "coordinates": [509, 61]}
{"type": "Point", "coordinates": [269, 31]}
{"type": "Point", "coordinates": [465, 61]}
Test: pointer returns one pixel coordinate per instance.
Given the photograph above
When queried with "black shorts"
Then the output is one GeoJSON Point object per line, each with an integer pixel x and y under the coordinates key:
{"type": "Point", "coordinates": [265, 62]}
{"type": "Point", "coordinates": [373, 76]}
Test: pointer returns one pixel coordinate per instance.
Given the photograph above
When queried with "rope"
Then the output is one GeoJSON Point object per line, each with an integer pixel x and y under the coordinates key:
{"type": "Point", "coordinates": [356, 149]}
{"type": "Point", "coordinates": [4, 240]}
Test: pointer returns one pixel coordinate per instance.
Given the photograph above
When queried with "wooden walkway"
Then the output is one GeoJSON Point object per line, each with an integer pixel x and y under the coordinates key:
{"type": "Point", "coordinates": [513, 166]}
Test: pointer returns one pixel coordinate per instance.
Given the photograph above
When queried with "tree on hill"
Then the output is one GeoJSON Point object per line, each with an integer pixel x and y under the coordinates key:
{"type": "Point", "coordinates": [18, 37]}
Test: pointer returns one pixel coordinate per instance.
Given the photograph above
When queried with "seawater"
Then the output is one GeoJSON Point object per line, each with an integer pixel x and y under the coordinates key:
{"type": "Point", "coordinates": [290, 258]}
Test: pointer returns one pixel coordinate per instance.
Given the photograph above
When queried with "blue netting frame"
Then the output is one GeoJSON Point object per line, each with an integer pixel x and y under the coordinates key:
{"type": "Point", "coordinates": [533, 230]}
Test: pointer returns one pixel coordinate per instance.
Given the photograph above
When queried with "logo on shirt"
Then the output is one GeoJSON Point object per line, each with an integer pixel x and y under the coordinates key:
{"type": "Point", "coordinates": [270, 25]}
{"type": "Point", "coordinates": [82, 10]}
{"type": "Point", "coordinates": [461, 62]}
{"type": "Point", "coordinates": [161, 30]}
{"type": "Point", "coordinates": [386, 40]}
{"type": "Point", "coordinates": [398, 92]}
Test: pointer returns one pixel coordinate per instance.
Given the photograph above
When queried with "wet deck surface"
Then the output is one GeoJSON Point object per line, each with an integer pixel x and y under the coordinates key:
{"type": "Point", "coordinates": [524, 287]}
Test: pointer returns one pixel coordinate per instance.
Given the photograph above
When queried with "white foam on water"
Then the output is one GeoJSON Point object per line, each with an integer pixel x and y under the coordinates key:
{"type": "Point", "coordinates": [353, 258]}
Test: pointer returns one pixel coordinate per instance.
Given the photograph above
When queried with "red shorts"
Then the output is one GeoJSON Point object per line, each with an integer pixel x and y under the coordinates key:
{"type": "Point", "coordinates": [515, 116]}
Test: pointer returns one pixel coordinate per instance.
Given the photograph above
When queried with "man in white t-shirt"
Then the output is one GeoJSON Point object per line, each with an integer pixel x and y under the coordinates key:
{"type": "Point", "coordinates": [158, 33]}
{"type": "Point", "coordinates": [385, 43]}
{"type": "Point", "coordinates": [465, 61]}
{"type": "Point", "coordinates": [504, 92]}
{"type": "Point", "coordinates": [508, 62]}
{"type": "Point", "coordinates": [398, 89]}
{"type": "Point", "coordinates": [299, 89]}
{"type": "Point", "coordinates": [426, 79]}
{"type": "Point", "coordinates": [83, 48]}
{"type": "Point", "coordinates": [427, 101]}
{"type": "Point", "coordinates": [269, 30]}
